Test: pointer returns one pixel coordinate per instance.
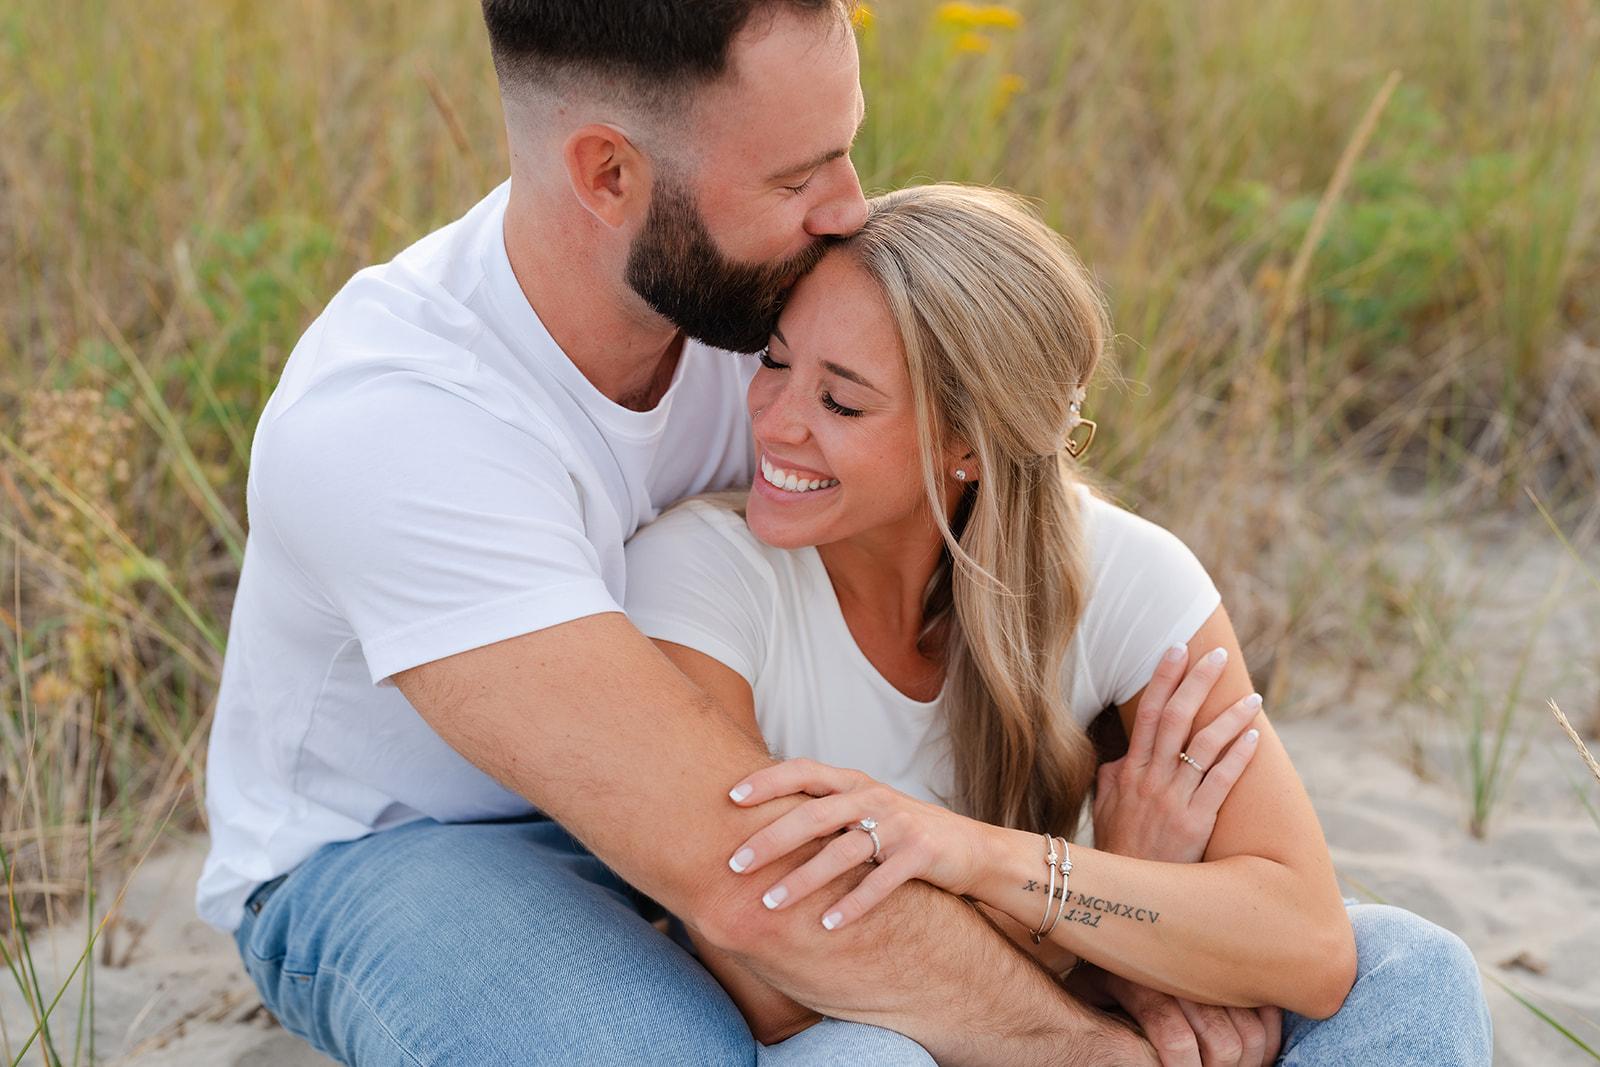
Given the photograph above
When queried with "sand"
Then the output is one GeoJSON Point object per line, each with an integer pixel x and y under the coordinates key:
{"type": "Point", "coordinates": [1526, 899]}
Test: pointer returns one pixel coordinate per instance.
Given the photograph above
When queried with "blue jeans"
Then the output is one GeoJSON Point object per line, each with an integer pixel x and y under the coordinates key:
{"type": "Point", "coordinates": [1417, 1000]}
{"type": "Point", "coordinates": [501, 944]}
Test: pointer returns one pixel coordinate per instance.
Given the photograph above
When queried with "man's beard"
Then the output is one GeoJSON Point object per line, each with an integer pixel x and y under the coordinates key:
{"type": "Point", "coordinates": [676, 266]}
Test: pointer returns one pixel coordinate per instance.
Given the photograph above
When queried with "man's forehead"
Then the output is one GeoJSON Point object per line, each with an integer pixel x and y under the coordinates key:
{"type": "Point", "coordinates": [792, 83]}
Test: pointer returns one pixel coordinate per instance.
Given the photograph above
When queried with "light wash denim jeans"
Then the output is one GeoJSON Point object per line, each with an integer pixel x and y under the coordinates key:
{"type": "Point", "coordinates": [509, 945]}
{"type": "Point", "coordinates": [500, 945]}
{"type": "Point", "coordinates": [1418, 1000]}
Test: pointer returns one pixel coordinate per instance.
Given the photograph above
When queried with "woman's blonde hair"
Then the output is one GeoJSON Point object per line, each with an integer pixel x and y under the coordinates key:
{"type": "Point", "coordinates": [1002, 328]}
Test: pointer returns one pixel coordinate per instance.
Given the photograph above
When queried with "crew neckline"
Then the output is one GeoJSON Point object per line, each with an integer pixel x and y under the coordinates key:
{"type": "Point", "coordinates": [835, 616]}
{"type": "Point", "coordinates": [524, 322]}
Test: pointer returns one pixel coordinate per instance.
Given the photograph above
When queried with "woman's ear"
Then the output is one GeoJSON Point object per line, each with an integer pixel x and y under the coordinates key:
{"type": "Point", "coordinates": [962, 465]}
{"type": "Point", "coordinates": [608, 174]}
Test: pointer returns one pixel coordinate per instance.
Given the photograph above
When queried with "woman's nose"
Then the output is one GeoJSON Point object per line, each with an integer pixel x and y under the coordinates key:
{"type": "Point", "coordinates": [775, 421]}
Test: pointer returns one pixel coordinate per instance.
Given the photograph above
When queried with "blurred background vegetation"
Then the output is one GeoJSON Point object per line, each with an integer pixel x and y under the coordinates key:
{"type": "Point", "coordinates": [183, 185]}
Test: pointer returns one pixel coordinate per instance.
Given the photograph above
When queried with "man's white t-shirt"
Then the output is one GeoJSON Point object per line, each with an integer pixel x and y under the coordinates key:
{"type": "Point", "coordinates": [431, 475]}
{"type": "Point", "coordinates": [700, 578]}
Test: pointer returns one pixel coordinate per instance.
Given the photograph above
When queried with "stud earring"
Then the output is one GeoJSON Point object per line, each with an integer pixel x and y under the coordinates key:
{"type": "Point", "coordinates": [961, 476]}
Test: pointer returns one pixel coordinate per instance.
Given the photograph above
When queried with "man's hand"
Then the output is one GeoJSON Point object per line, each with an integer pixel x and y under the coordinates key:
{"type": "Point", "coordinates": [1186, 1034]}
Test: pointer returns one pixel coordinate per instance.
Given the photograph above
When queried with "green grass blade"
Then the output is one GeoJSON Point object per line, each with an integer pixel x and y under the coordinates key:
{"type": "Point", "coordinates": [1549, 1020]}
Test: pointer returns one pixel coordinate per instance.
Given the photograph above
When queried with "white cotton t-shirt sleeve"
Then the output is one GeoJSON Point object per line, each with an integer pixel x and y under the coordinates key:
{"type": "Point", "coordinates": [439, 528]}
{"type": "Point", "coordinates": [1149, 593]}
{"type": "Point", "coordinates": [697, 580]}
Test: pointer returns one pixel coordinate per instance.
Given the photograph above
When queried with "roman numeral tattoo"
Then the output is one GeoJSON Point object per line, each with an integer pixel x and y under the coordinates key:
{"type": "Point", "coordinates": [1089, 910]}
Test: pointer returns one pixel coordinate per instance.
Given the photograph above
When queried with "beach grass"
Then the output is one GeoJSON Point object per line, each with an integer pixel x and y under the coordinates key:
{"type": "Point", "coordinates": [1345, 246]}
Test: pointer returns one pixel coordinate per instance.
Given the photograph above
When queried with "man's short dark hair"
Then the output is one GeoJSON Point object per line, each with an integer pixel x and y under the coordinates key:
{"type": "Point", "coordinates": [651, 51]}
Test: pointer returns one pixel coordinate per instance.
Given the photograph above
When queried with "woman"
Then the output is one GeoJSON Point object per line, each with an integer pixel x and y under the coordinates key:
{"type": "Point", "coordinates": [923, 589]}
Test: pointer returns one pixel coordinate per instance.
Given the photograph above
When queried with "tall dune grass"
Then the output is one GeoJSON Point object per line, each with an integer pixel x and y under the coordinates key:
{"type": "Point", "coordinates": [183, 185]}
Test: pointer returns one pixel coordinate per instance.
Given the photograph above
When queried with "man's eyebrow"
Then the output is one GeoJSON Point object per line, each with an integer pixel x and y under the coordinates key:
{"type": "Point", "coordinates": [847, 374]}
{"type": "Point", "coordinates": [826, 157]}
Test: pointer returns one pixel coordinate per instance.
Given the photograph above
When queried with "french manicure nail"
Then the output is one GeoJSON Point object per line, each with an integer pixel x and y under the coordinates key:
{"type": "Point", "coordinates": [775, 896]}
{"type": "Point", "coordinates": [739, 792]}
{"type": "Point", "coordinates": [1253, 700]}
{"type": "Point", "coordinates": [1250, 736]}
{"type": "Point", "coordinates": [1176, 653]}
{"type": "Point", "coordinates": [1217, 656]}
{"type": "Point", "coordinates": [741, 860]}
{"type": "Point", "coordinates": [832, 919]}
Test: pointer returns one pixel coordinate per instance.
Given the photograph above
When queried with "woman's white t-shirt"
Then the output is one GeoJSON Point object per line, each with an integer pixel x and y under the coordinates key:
{"type": "Point", "coordinates": [698, 577]}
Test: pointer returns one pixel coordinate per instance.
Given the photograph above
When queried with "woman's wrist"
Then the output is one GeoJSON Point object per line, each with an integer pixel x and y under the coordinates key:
{"type": "Point", "coordinates": [1015, 876]}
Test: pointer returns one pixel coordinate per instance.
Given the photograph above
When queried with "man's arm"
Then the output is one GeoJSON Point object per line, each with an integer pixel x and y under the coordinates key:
{"type": "Point", "coordinates": [592, 724]}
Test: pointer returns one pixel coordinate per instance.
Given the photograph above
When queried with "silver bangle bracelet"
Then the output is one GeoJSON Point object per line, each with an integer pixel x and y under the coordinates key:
{"type": "Point", "coordinates": [1050, 861]}
{"type": "Point", "coordinates": [1066, 869]}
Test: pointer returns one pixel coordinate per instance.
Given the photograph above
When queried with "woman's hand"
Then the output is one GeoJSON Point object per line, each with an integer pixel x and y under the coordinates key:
{"type": "Point", "coordinates": [1155, 803]}
{"type": "Point", "coordinates": [914, 839]}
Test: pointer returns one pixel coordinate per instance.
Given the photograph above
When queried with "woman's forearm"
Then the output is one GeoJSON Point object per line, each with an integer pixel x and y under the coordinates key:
{"type": "Point", "coordinates": [1244, 931]}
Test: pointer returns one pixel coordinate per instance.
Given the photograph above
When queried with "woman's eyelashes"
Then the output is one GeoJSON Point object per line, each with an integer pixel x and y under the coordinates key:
{"type": "Point", "coordinates": [839, 409]}
{"type": "Point", "coordinates": [827, 398]}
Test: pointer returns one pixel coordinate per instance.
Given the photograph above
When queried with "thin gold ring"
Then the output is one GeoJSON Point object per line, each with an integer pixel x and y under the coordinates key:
{"type": "Point", "coordinates": [1184, 756]}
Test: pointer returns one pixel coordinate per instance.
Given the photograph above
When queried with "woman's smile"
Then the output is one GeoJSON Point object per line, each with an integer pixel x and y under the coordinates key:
{"type": "Point", "coordinates": [793, 480]}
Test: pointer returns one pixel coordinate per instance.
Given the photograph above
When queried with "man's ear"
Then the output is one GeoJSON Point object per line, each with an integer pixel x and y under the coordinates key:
{"type": "Point", "coordinates": [608, 174]}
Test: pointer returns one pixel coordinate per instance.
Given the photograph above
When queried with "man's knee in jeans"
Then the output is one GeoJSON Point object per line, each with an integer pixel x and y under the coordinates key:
{"type": "Point", "coordinates": [485, 944]}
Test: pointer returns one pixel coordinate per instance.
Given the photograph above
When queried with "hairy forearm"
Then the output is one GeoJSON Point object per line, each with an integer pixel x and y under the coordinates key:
{"type": "Point", "coordinates": [591, 723]}
{"type": "Point", "coordinates": [771, 1015]}
{"type": "Point", "coordinates": [927, 965]}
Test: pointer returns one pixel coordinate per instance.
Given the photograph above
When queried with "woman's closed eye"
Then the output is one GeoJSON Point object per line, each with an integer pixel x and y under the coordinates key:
{"type": "Point", "coordinates": [839, 409]}
{"type": "Point", "coordinates": [765, 355]}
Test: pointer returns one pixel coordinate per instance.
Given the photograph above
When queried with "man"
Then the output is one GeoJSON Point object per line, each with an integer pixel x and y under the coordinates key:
{"type": "Point", "coordinates": [427, 649]}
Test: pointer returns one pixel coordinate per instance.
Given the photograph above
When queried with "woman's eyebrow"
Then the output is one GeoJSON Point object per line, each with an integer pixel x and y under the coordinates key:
{"type": "Point", "coordinates": [850, 376]}
{"type": "Point", "coordinates": [833, 368]}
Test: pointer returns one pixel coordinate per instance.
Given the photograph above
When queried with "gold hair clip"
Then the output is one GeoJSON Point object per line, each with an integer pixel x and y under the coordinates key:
{"type": "Point", "coordinates": [1074, 446]}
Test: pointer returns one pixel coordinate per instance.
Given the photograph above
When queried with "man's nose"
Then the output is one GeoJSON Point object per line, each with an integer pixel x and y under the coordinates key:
{"type": "Point", "coordinates": [842, 210]}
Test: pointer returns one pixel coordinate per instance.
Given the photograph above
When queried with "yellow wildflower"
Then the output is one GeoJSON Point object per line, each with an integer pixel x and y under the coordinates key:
{"type": "Point", "coordinates": [974, 42]}
{"type": "Point", "coordinates": [998, 15]}
{"type": "Point", "coordinates": [972, 16]}
{"type": "Point", "coordinates": [862, 17]}
{"type": "Point", "coordinates": [1009, 86]}
{"type": "Point", "coordinates": [956, 14]}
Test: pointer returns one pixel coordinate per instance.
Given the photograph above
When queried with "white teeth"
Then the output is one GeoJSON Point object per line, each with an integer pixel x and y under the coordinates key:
{"type": "Point", "coordinates": [791, 482]}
